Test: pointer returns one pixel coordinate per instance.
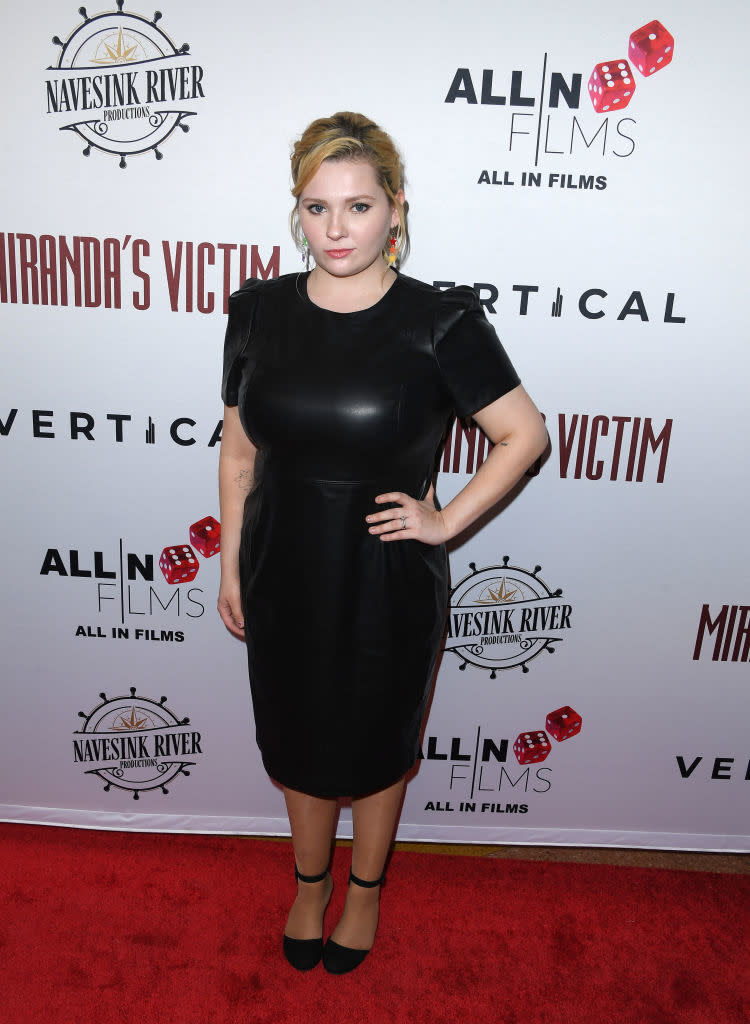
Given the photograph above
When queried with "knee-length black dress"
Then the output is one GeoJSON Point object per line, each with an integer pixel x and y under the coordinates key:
{"type": "Point", "coordinates": [343, 630]}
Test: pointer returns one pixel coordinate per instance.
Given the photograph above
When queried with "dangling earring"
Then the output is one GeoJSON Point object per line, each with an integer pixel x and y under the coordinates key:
{"type": "Point", "coordinates": [305, 250]}
{"type": "Point", "coordinates": [394, 244]}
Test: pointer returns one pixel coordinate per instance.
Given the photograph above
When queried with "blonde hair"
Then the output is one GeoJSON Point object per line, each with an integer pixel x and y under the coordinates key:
{"type": "Point", "coordinates": [349, 136]}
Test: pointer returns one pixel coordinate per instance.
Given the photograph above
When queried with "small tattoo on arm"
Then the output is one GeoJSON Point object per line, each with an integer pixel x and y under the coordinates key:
{"type": "Point", "coordinates": [245, 480]}
{"type": "Point", "coordinates": [504, 444]}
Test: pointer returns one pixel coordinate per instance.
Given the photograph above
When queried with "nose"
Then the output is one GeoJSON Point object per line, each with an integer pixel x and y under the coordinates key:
{"type": "Point", "coordinates": [335, 228]}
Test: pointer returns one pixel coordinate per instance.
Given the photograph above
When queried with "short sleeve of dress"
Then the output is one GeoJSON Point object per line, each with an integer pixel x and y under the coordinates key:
{"type": "Point", "coordinates": [242, 305]}
{"type": "Point", "coordinates": [475, 366]}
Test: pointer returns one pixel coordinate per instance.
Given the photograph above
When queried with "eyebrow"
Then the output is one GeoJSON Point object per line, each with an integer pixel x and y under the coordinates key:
{"type": "Point", "coordinates": [349, 199]}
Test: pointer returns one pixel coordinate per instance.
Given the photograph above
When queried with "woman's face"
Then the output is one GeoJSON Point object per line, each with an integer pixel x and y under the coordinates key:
{"type": "Point", "coordinates": [346, 217]}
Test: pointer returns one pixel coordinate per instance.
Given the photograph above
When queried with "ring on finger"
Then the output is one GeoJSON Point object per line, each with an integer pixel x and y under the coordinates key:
{"type": "Point", "coordinates": [403, 522]}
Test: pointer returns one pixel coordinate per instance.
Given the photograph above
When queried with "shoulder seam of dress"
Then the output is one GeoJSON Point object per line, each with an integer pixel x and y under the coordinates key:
{"type": "Point", "coordinates": [457, 310]}
{"type": "Point", "coordinates": [254, 285]}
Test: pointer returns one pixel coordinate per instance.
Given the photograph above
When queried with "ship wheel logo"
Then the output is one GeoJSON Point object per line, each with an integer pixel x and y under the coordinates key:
{"type": "Point", "coordinates": [122, 84]}
{"type": "Point", "coordinates": [135, 743]}
{"type": "Point", "coordinates": [503, 616]}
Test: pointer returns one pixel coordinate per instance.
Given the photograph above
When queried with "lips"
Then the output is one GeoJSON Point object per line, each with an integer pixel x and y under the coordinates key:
{"type": "Point", "coordinates": [338, 254]}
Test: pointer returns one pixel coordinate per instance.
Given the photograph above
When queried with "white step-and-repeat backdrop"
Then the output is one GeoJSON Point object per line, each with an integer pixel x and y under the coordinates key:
{"type": "Point", "coordinates": [585, 172]}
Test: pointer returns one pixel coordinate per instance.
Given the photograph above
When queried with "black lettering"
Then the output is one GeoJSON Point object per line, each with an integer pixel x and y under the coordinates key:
{"type": "Point", "coordinates": [588, 143]}
{"type": "Point", "coordinates": [462, 87]}
{"type": "Point", "coordinates": [516, 99]}
{"type": "Point", "coordinates": [487, 96]}
{"type": "Point", "coordinates": [85, 428]}
{"type": "Point", "coordinates": [143, 569]}
{"type": "Point", "coordinates": [100, 573]}
{"type": "Point", "coordinates": [53, 97]}
{"type": "Point", "coordinates": [488, 303]}
{"type": "Point", "coordinates": [456, 754]}
{"type": "Point", "coordinates": [669, 317]}
{"type": "Point", "coordinates": [197, 79]}
{"type": "Point", "coordinates": [432, 751]}
{"type": "Point", "coordinates": [489, 748]}
{"type": "Point", "coordinates": [525, 289]}
{"type": "Point", "coordinates": [53, 563]}
{"type": "Point", "coordinates": [153, 595]}
{"type": "Point", "coordinates": [118, 418]}
{"type": "Point", "coordinates": [216, 436]}
{"type": "Point", "coordinates": [7, 424]}
{"type": "Point", "coordinates": [570, 93]}
{"type": "Point", "coordinates": [176, 437]}
{"type": "Point", "coordinates": [722, 768]}
{"type": "Point", "coordinates": [634, 307]}
{"type": "Point", "coordinates": [624, 136]}
{"type": "Point", "coordinates": [39, 423]}
{"type": "Point", "coordinates": [684, 771]}
{"type": "Point", "coordinates": [583, 304]}
{"type": "Point", "coordinates": [75, 569]}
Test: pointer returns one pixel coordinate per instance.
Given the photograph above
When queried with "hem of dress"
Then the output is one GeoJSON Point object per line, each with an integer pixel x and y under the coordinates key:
{"type": "Point", "coordinates": [327, 793]}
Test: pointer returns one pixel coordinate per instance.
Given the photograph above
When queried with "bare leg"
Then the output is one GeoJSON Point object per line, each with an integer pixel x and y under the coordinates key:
{"type": "Point", "coordinates": [374, 820]}
{"type": "Point", "coordinates": [312, 819]}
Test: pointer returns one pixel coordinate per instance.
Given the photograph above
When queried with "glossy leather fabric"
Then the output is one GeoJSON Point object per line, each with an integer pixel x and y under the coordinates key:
{"type": "Point", "coordinates": [343, 631]}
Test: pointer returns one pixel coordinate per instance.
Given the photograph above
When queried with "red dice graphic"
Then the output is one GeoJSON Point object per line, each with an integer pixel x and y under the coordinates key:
{"type": "Point", "coordinates": [611, 85]}
{"type": "Point", "coordinates": [179, 564]}
{"type": "Point", "coordinates": [563, 723]}
{"type": "Point", "coordinates": [205, 536]}
{"type": "Point", "coordinates": [651, 48]}
{"type": "Point", "coordinates": [531, 747]}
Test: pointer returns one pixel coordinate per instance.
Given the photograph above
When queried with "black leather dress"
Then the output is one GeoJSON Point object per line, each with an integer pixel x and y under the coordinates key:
{"type": "Point", "coordinates": [343, 630]}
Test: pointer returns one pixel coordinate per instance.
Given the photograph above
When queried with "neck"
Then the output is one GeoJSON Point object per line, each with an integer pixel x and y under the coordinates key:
{"type": "Point", "coordinates": [349, 294]}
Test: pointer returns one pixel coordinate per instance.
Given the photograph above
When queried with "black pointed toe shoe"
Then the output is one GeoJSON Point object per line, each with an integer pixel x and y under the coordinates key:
{"type": "Point", "coordinates": [304, 954]}
{"type": "Point", "coordinates": [339, 959]}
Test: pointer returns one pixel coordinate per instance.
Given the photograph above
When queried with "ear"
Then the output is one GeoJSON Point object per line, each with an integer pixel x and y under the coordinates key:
{"type": "Point", "coordinates": [394, 213]}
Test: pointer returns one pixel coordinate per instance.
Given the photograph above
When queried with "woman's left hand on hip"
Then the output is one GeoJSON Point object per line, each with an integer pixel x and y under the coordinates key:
{"type": "Point", "coordinates": [412, 520]}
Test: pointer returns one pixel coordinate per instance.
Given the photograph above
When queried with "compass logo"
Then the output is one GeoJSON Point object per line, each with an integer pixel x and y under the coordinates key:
{"type": "Point", "coordinates": [135, 743]}
{"type": "Point", "coordinates": [502, 616]}
{"type": "Point", "coordinates": [122, 85]}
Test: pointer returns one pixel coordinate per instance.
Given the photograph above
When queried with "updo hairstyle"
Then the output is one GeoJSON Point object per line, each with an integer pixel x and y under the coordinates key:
{"type": "Point", "coordinates": [348, 136]}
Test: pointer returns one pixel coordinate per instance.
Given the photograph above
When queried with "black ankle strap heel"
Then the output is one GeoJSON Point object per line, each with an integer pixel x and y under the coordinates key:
{"type": "Point", "coordinates": [304, 954]}
{"type": "Point", "coordinates": [363, 883]}
{"type": "Point", "coordinates": [339, 959]}
{"type": "Point", "coordinates": [309, 878]}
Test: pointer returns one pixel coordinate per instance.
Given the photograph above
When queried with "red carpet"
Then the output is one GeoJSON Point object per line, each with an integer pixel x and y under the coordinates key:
{"type": "Point", "coordinates": [117, 928]}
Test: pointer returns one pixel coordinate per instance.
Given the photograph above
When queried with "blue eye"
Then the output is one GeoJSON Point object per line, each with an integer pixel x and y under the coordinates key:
{"type": "Point", "coordinates": [361, 207]}
{"type": "Point", "coordinates": [315, 208]}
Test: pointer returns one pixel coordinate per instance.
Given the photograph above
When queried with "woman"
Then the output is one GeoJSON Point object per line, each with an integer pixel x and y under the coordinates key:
{"type": "Point", "coordinates": [341, 382]}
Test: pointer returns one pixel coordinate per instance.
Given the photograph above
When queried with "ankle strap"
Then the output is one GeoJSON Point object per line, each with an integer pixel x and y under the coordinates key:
{"type": "Point", "coordinates": [309, 878]}
{"type": "Point", "coordinates": [366, 885]}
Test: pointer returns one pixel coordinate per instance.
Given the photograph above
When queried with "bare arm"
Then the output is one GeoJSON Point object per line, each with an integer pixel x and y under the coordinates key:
{"type": "Point", "coordinates": [236, 466]}
{"type": "Point", "coordinates": [515, 426]}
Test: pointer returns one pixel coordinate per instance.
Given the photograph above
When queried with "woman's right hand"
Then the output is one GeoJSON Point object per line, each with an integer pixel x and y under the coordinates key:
{"type": "Point", "coordinates": [230, 607]}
